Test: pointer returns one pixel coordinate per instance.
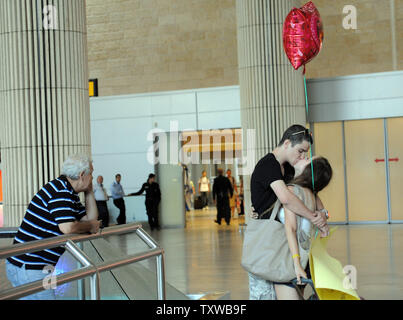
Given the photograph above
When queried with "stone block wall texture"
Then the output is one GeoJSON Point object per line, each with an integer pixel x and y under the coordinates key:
{"type": "Point", "coordinates": [157, 45]}
{"type": "Point", "coordinates": [367, 49]}
{"type": "Point", "coordinates": [137, 46]}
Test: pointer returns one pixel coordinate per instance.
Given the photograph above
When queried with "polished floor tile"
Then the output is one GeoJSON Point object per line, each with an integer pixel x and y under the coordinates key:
{"type": "Point", "coordinates": [205, 257]}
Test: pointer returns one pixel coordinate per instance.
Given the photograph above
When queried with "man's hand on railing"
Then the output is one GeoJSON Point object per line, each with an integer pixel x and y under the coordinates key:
{"type": "Point", "coordinates": [79, 227]}
{"type": "Point", "coordinates": [95, 225]}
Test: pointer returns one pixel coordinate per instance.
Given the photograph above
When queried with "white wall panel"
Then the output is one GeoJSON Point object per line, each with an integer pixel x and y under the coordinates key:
{"type": "Point", "coordinates": [218, 99]}
{"type": "Point", "coordinates": [120, 125]}
{"type": "Point", "coordinates": [120, 135]}
{"type": "Point", "coordinates": [134, 169]}
{"type": "Point", "coordinates": [167, 104]}
{"type": "Point", "coordinates": [184, 103]}
{"type": "Point", "coordinates": [220, 120]}
{"type": "Point", "coordinates": [121, 107]}
{"type": "Point", "coordinates": [175, 122]}
{"type": "Point", "coordinates": [365, 96]}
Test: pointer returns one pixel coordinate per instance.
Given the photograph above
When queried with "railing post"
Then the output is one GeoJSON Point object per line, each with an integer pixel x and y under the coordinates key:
{"type": "Point", "coordinates": [95, 289]}
{"type": "Point", "coordinates": [81, 282]}
{"type": "Point", "coordinates": [85, 260]}
{"type": "Point", "coordinates": [161, 291]}
{"type": "Point", "coordinates": [146, 238]}
{"type": "Point", "coordinates": [86, 266]}
{"type": "Point", "coordinates": [161, 277]}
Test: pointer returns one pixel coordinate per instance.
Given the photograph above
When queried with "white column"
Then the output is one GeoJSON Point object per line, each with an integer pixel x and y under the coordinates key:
{"type": "Point", "coordinates": [272, 92]}
{"type": "Point", "coordinates": [44, 103]}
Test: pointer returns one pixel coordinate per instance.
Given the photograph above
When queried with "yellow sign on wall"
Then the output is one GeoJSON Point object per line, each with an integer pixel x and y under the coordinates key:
{"type": "Point", "coordinates": [93, 88]}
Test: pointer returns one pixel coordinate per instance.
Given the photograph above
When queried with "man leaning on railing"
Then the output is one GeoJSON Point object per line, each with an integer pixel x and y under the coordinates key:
{"type": "Point", "coordinates": [55, 210]}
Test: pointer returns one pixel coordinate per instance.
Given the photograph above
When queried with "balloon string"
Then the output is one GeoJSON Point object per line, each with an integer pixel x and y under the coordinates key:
{"type": "Point", "coordinates": [310, 146]}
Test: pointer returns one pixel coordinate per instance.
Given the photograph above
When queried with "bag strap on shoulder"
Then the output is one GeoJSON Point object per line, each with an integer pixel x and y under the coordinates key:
{"type": "Point", "coordinates": [276, 210]}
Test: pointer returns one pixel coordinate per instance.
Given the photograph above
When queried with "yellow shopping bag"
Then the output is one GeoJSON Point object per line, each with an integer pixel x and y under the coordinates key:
{"type": "Point", "coordinates": [327, 273]}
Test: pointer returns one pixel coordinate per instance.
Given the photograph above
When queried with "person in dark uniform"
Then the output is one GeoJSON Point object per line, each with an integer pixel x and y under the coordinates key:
{"type": "Point", "coordinates": [222, 192]}
{"type": "Point", "coordinates": [153, 198]}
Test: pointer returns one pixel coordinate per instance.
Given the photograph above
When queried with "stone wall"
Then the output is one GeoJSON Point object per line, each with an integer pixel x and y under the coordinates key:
{"type": "Point", "coordinates": [157, 45]}
{"type": "Point", "coordinates": [139, 46]}
{"type": "Point", "coordinates": [367, 49]}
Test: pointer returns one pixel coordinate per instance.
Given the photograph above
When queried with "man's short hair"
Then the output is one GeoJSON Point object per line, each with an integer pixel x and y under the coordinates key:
{"type": "Point", "coordinates": [118, 175]}
{"type": "Point", "coordinates": [75, 164]}
{"type": "Point", "coordinates": [296, 134]}
{"type": "Point", "coordinates": [151, 175]}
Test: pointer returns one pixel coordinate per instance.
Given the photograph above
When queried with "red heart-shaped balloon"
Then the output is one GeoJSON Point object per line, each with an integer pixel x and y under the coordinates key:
{"type": "Point", "coordinates": [302, 35]}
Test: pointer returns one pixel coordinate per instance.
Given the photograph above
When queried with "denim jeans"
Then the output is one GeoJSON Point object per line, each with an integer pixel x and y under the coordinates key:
{"type": "Point", "coordinates": [204, 198]}
{"type": "Point", "coordinates": [19, 276]}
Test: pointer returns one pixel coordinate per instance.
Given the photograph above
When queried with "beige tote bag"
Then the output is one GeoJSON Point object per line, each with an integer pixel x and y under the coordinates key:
{"type": "Point", "coordinates": [266, 253]}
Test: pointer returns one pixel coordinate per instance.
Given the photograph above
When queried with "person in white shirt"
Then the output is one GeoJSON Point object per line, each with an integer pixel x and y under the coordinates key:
{"type": "Point", "coordinates": [101, 198]}
{"type": "Point", "coordinates": [117, 195]}
{"type": "Point", "coordinates": [204, 188]}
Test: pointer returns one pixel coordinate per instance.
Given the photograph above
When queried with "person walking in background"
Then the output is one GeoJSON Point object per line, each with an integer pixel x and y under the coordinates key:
{"type": "Point", "coordinates": [222, 191]}
{"type": "Point", "coordinates": [188, 190]}
{"type": "Point", "coordinates": [117, 195]}
{"type": "Point", "coordinates": [204, 189]}
{"type": "Point", "coordinates": [55, 210]}
{"type": "Point", "coordinates": [232, 200]}
{"type": "Point", "coordinates": [101, 198]}
{"type": "Point", "coordinates": [153, 198]}
{"type": "Point", "coordinates": [192, 195]}
{"type": "Point", "coordinates": [241, 198]}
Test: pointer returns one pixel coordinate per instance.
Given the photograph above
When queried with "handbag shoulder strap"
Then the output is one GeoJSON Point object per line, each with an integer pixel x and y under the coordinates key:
{"type": "Point", "coordinates": [276, 210]}
{"type": "Point", "coordinates": [275, 207]}
{"type": "Point", "coordinates": [266, 211]}
{"type": "Point", "coordinates": [299, 192]}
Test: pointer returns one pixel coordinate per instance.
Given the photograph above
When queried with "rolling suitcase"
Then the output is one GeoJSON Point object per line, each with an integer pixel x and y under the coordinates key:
{"type": "Point", "coordinates": [198, 204]}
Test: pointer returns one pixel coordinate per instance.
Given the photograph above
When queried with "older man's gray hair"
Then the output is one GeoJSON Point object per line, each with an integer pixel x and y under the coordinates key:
{"type": "Point", "coordinates": [75, 164]}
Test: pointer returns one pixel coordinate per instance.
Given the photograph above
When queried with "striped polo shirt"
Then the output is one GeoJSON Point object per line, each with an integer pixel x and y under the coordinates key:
{"type": "Point", "coordinates": [55, 203]}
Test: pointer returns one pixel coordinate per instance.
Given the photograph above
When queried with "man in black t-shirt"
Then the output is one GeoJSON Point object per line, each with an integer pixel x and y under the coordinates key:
{"type": "Point", "coordinates": [268, 178]}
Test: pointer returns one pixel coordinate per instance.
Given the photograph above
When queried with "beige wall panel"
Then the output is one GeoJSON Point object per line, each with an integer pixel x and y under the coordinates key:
{"type": "Point", "coordinates": [328, 141]}
{"type": "Point", "coordinates": [366, 179]}
{"type": "Point", "coordinates": [395, 134]}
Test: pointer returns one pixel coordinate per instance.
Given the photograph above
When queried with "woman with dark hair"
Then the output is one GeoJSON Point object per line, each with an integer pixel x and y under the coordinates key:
{"type": "Point", "coordinates": [300, 230]}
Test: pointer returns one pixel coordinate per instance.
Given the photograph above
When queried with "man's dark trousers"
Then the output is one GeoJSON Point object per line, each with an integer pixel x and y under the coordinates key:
{"type": "Point", "coordinates": [152, 213]}
{"type": "Point", "coordinates": [103, 213]}
{"type": "Point", "coordinates": [223, 209]}
{"type": "Point", "coordinates": [120, 203]}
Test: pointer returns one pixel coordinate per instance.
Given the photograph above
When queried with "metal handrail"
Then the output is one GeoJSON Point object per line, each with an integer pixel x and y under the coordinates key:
{"type": "Point", "coordinates": [8, 232]}
{"type": "Point", "coordinates": [89, 269]}
{"type": "Point", "coordinates": [38, 245]}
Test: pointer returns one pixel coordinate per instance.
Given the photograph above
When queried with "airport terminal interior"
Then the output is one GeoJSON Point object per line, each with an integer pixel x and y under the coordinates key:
{"type": "Point", "coordinates": [185, 90]}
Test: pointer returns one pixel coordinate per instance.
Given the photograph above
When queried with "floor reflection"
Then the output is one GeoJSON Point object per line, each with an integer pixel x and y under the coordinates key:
{"type": "Point", "coordinates": [205, 257]}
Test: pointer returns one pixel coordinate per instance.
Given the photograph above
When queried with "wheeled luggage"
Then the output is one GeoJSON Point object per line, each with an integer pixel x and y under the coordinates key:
{"type": "Point", "coordinates": [198, 203]}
